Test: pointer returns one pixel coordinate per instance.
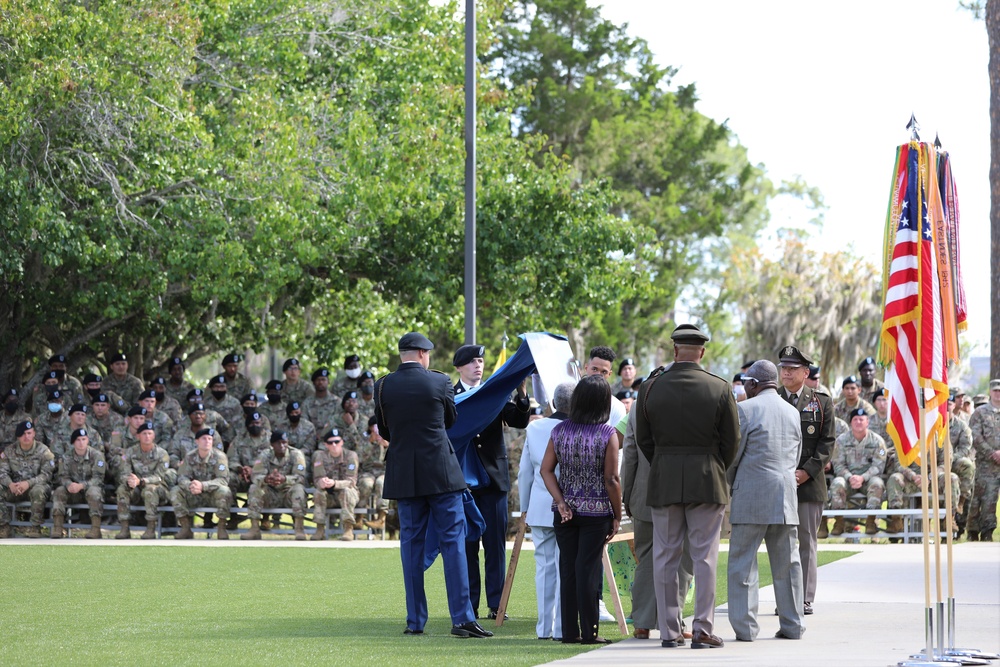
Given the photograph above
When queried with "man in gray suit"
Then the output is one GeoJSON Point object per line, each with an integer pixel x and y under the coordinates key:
{"type": "Point", "coordinates": [765, 506]}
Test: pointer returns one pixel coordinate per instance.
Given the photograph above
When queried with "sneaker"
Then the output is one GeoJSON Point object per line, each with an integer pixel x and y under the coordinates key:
{"type": "Point", "coordinates": [604, 615]}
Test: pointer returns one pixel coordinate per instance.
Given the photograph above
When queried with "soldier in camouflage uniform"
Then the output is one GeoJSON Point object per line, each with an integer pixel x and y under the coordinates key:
{"type": "Point", "coordinates": [92, 385]}
{"type": "Point", "coordinates": [868, 385]}
{"type": "Point", "coordinates": [121, 382]}
{"type": "Point", "coordinates": [162, 423]}
{"type": "Point", "coordinates": [185, 439]}
{"type": "Point", "coordinates": [366, 395]}
{"type": "Point", "coordinates": [72, 385]}
{"type": "Point", "coordinates": [166, 403]}
{"type": "Point", "coordinates": [985, 426]}
{"type": "Point", "coordinates": [26, 470]}
{"type": "Point", "coordinates": [79, 417]}
{"type": "Point", "coordinates": [52, 425]}
{"type": "Point", "coordinates": [143, 476]}
{"type": "Point", "coordinates": [103, 421]}
{"type": "Point", "coordinates": [12, 415]}
{"type": "Point", "coordinates": [371, 458]}
{"type": "Point", "coordinates": [335, 471]}
{"type": "Point", "coordinates": [250, 404]}
{"type": "Point", "coordinates": [301, 432]}
{"type": "Point", "coordinates": [323, 405]}
{"type": "Point", "coordinates": [42, 394]}
{"type": "Point", "coordinates": [278, 474]}
{"type": "Point", "coordinates": [879, 424]}
{"type": "Point", "coordinates": [851, 400]}
{"type": "Point", "coordinates": [348, 380]}
{"type": "Point", "coordinates": [202, 481]}
{"type": "Point", "coordinates": [177, 387]}
{"type": "Point", "coordinates": [273, 408]}
{"type": "Point", "coordinates": [906, 480]}
{"type": "Point", "coordinates": [213, 419]}
{"type": "Point", "coordinates": [349, 421]}
{"type": "Point", "coordinates": [840, 427]}
{"type": "Point", "coordinates": [858, 465]}
{"type": "Point", "coordinates": [294, 388]}
{"type": "Point", "coordinates": [244, 451]}
{"type": "Point", "coordinates": [236, 382]}
{"type": "Point", "coordinates": [219, 400]}
{"type": "Point", "coordinates": [963, 464]}
{"type": "Point", "coordinates": [81, 479]}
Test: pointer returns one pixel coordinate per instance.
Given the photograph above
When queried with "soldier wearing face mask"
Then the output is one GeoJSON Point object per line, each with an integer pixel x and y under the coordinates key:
{"type": "Point", "coordinates": [12, 415]}
{"type": "Point", "coordinates": [213, 419]}
{"type": "Point", "coordinates": [93, 385]}
{"type": "Point", "coordinates": [41, 395]}
{"type": "Point", "coordinates": [366, 395]}
{"type": "Point", "coordinates": [301, 432]}
{"type": "Point", "coordinates": [220, 400]}
{"type": "Point", "coordinates": [274, 407]}
{"type": "Point", "coordinates": [349, 380]}
{"type": "Point", "coordinates": [53, 422]}
{"type": "Point", "coordinates": [244, 450]}
{"type": "Point", "coordinates": [251, 402]}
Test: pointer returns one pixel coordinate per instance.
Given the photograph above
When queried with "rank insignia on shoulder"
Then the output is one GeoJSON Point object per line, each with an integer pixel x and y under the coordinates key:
{"type": "Point", "coordinates": [881, 452]}
{"type": "Point", "coordinates": [222, 468]}
{"type": "Point", "coordinates": [350, 467]}
{"type": "Point", "coordinates": [301, 467]}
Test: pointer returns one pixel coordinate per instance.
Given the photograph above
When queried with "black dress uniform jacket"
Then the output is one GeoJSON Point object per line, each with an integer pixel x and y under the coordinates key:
{"type": "Point", "coordinates": [816, 412]}
{"type": "Point", "coordinates": [490, 445]}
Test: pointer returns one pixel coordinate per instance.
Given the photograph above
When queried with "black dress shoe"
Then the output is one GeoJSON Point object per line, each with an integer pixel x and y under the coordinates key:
{"type": "Point", "coordinates": [807, 608]}
{"type": "Point", "coordinates": [493, 615]}
{"type": "Point", "coordinates": [411, 631]}
{"type": "Point", "coordinates": [672, 643]}
{"type": "Point", "coordinates": [470, 629]}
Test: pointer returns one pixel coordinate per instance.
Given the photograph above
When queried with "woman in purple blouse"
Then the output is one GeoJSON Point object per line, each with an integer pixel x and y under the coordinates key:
{"type": "Point", "coordinates": [587, 502]}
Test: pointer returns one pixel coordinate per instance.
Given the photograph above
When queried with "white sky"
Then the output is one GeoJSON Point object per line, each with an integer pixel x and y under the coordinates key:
{"type": "Point", "coordinates": [824, 90]}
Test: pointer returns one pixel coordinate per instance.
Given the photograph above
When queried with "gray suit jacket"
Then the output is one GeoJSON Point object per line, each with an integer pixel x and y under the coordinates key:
{"type": "Point", "coordinates": [635, 475]}
{"type": "Point", "coordinates": [763, 473]}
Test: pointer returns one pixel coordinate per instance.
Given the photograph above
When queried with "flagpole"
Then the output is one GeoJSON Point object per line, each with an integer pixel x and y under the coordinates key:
{"type": "Point", "coordinates": [936, 527]}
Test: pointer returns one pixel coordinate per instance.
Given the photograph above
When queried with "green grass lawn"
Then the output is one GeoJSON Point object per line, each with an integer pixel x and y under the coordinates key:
{"type": "Point", "coordinates": [185, 606]}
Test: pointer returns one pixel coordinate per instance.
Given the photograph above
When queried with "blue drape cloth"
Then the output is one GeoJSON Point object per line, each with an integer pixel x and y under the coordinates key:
{"type": "Point", "coordinates": [476, 410]}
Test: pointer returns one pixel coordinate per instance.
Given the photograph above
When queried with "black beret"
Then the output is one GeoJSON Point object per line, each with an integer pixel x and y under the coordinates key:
{"type": "Point", "coordinates": [136, 410]}
{"type": "Point", "coordinates": [351, 358]}
{"type": "Point", "coordinates": [203, 432]}
{"type": "Point", "coordinates": [320, 373]}
{"type": "Point", "coordinates": [159, 380]}
{"type": "Point", "coordinates": [55, 375]}
{"type": "Point", "coordinates": [252, 416]}
{"type": "Point", "coordinates": [367, 375]}
{"type": "Point", "coordinates": [466, 354]}
{"type": "Point", "coordinates": [790, 357]}
{"type": "Point", "coordinates": [372, 420]}
{"type": "Point", "coordinates": [231, 359]}
{"type": "Point", "coordinates": [332, 433]}
{"type": "Point", "coordinates": [77, 433]}
{"type": "Point", "coordinates": [857, 412]}
{"type": "Point", "coordinates": [883, 392]}
{"type": "Point", "coordinates": [176, 361]}
{"type": "Point", "coordinates": [689, 334]}
{"type": "Point", "coordinates": [276, 385]}
{"type": "Point", "coordinates": [55, 393]}
{"type": "Point", "coordinates": [289, 363]}
{"type": "Point", "coordinates": [867, 361]}
{"type": "Point", "coordinates": [850, 379]}
{"type": "Point", "coordinates": [79, 407]}
{"type": "Point", "coordinates": [414, 341]}
{"type": "Point", "coordinates": [12, 392]}
{"type": "Point", "coordinates": [346, 396]}
{"type": "Point", "coordinates": [92, 377]}
{"type": "Point", "coordinates": [278, 435]}
{"type": "Point", "coordinates": [252, 396]}
{"type": "Point", "coordinates": [628, 393]}
{"type": "Point", "coordinates": [216, 379]}
{"type": "Point", "coordinates": [117, 357]}
{"type": "Point", "coordinates": [736, 378]}
{"type": "Point", "coordinates": [101, 398]}
{"type": "Point", "coordinates": [195, 393]}
{"type": "Point", "coordinates": [196, 407]}
{"type": "Point", "coordinates": [747, 364]}
{"type": "Point", "coordinates": [145, 426]}
{"type": "Point", "coordinates": [57, 359]}
{"type": "Point", "coordinates": [149, 393]}
{"type": "Point", "coordinates": [627, 361]}
{"type": "Point", "coordinates": [292, 407]}
{"type": "Point", "coordinates": [813, 372]}
{"type": "Point", "coordinates": [21, 428]}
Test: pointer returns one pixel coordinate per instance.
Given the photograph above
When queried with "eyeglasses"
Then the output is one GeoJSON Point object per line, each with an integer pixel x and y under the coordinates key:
{"type": "Point", "coordinates": [334, 442]}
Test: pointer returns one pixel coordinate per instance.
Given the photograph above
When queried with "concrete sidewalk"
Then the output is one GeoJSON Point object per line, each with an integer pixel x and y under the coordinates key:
{"type": "Point", "coordinates": [869, 611]}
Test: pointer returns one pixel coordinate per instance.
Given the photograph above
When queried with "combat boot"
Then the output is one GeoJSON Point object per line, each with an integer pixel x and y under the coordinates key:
{"type": "Point", "coordinates": [348, 535]}
{"type": "Point", "coordinates": [870, 527]}
{"type": "Point", "coordinates": [57, 526]}
{"type": "Point", "coordinates": [125, 533]}
{"type": "Point", "coordinates": [220, 531]}
{"type": "Point", "coordinates": [973, 536]}
{"type": "Point", "coordinates": [254, 532]}
{"type": "Point", "coordinates": [378, 523]}
{"type": "Point", "coordinates": [984, 536]}
{"type": "Point", "coordinates": [233, 522]}
{"type": "Point", "coordinates": [265, 522]}
{"type": "Point", "coordinates": [185, 532]}
{"type": "Point", "coordinates": [300, 532]}
{"type": "Point", "coordinates": [320, 533]}
{"type": "Point", "coordinates": [95, 528]}
{"type": "Point", "coordinates": [824, 528]}
{"type": "Point", "coordinates": [894, 524]}
{"type": "Point", "coordinates": [838, 526]}
{"type": "Point", "coordinates": [150, 533]}
{"type": "Point", "coordinates": [34, 531]}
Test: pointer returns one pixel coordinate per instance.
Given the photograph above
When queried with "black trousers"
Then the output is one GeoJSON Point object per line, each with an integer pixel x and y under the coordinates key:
{"type": "Point", "coordinates": [581, 543]}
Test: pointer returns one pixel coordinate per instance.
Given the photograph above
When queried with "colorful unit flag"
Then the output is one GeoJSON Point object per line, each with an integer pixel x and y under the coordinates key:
{"type": "Point", "coordinates": [921, 291]}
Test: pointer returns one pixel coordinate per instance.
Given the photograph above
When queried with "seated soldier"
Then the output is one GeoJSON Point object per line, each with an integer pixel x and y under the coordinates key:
{"type": "Point", "coordinates": [79, 418]}
{"type": "Point", "coordinates": [242, 453]}
{"type": "Point", "coordinates": [73, 386]}
{"type": "Point", "coordinates": [301, 431]}
{"type": "Point", "coordinates": [12, 415]}
{"type": "Point", "coordinates": [92, 383]}
{"type": "Point", "coordinates": [166, 403]}
{"type": "Point", "coordinates": [235, 381]}
{"type": "Point", "coordinates": [177, 387]}
{"type": "Point", "coordinates": [372, 462]}
{"type": "Point", "coordinates": [212, 418]}
{"type": "Point", "coordinates": [103, 421]}
{"type": "Point", "coordinates": [335, 471]}
{"type": "Point", "coordinates": [250, 402]}
{"type": "Point", "coordinates": [202, 481]}
{"type": "Point", "coordinates": [142, 478]}
{"type": "Point", "coordinates": [858, 466]}
{"type": "Point", "coordinates": [185, 438]}
{"type": "Point", "coordinates": [162, 423]}
{"type": "Point", "coordinates": [52, 425]}
{"type": "Point", "coordinates": [81, 479]}
{"type": "Point", "coordinates": [348, 380]}
{"type": "Point", "coordinates": [366, 395]}
{"type": "Point", "coordinates": [850, 400]}
{"type": "Point", "coordinates": [120, 381]}
{"type": "Point", "coordinates": [219, 399]}
{"type": "Point", "coordinates": [963, 464]}
{"type": "Point", "coordinates": [906, 480]}
{"type": "Point", "coordinates": [26, 470]}
{"type": "Point", "coordinates": [294, 388]}
{"type": "Point", "coordinates": [274, 407]}
{"type": "Point", "coordinates": [41, 395]}
{"type": "Point", "coordinates": [349, 421]}
{"type": "Point", "coordinates": [278, 474]}
{"type": "Point", "coordinates": [321, 407]}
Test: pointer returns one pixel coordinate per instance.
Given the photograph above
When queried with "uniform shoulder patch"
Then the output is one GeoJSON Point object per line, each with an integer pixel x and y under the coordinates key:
{"type": "Point", "coordinates": [100, 464]}
{"type": "Point", "coordinates": [350, 466]}
{"type": "Point", "coordinates": [301, 467]}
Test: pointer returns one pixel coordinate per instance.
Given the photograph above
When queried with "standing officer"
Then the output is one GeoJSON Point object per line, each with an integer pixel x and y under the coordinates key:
{"type": "Point", "coordinates": [816, 417]}
{"type": "Point", "coordinates": [687, 427]}
{"type": "Point", "coordinates": [413, 409]}
{"type": "Point", "coordinates": [492, 498]}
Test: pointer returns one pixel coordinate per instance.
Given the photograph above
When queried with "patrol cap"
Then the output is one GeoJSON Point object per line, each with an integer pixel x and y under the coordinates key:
{"type": "Point", "coordinates": [274, 385]}
{"type": "Point", "coordinates": [203, 432]}
{"type": "Point", "coordinates": [850, 379]}
{"type": "Point", "coordinates": [292, 407]}
{"type": "Point", "coordinates": [627, 361]}
{"type": "Point", "coordinates": [867, 361]}
{"type": "Point", "coordinates": [348, 395]}
{"type": "Point", "coordinates": [857, 412]}
{"type": "Point", "coordinates": [145, 426]}
{"type": "Point", "coordinates": [289, 363]}
{"type": "Point", "coordinates": [216, 379]}
{"type": "Point", "coordinates": [689, 334]}
{"type": "Point", "coordinates": [174, 361]}
{"type": "Point", "coordinates": [278, 435]}
{"type": "Point", "coordinates": [350, 359]}
{"type": "Point", "coordinates": [414, 341]}
{"type": "Point", "coordinates": [252, 396]}
{"type": "Point", "coordinates": [231, 359]}
{"type": "Point", "coordinates": [320, 373]}
{"type": "Point", "coordinates": [466, 354]}
{"type": "Point", "coordinates": [149, 393]}
{"type": "Point", "coordinates": [813, 372]}
{"type": "Point", "coordinates": [332, 433]}
{"type": "Point", "coordinates": [196, 407]}
{"type": "Point", "coordinates": [994, 384]}
{"type": "Point", "coordinates": [57, 359]}
{"type": "Point", "coordinates": [252, 416]}
{"type": "Point", "coordinates": [101, 398]}
{"type": "Point", "coordinates": [55, 375]}
{"type": "Point", "coordinates": [980, 399]}
{"type": "Point", "coordinates": [136, 410]}
{"type": "Point", "coordinates": [90, 378]}
{"type": "Point", "coordinates": [79, 407]}
{"type": "Point", "coordinates": [77, 434]}
{"type": "Point", "coordinates": [790, 357]}
{"type": "Point", "coordinates": [23, 427]}
{"type": "Point", "coordinates": [118, 356]}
